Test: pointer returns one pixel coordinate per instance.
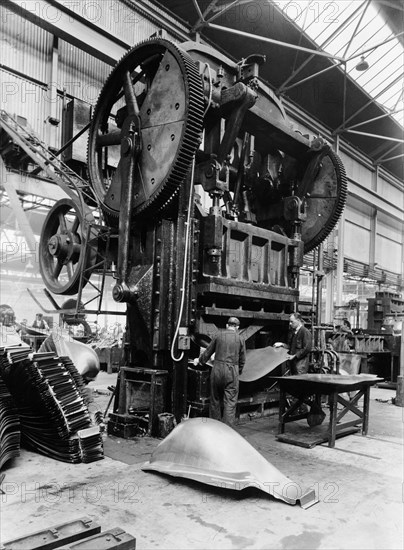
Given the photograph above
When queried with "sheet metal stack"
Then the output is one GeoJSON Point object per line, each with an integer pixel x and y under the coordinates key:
{"type": "Point", "coordinates": [53, 415]}
{"type": "Point", "coordinates": [10, 426]}
{"type": "Point", "coordinates": [10, 433]}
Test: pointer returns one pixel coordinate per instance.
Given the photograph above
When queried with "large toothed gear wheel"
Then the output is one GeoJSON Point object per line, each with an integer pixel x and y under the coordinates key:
{"type": "Point", "coordinates": [324, 189]}
{"type": "Point", "coordinates": [165, 84]}
{"type": "Point", "coordinates": [68, 247]}
{"type": "Point", "coordinates": [321, 187]}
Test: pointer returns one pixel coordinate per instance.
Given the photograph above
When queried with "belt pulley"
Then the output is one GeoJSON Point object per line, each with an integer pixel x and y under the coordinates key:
{"type": "Point", "coordinates": [68, 246]}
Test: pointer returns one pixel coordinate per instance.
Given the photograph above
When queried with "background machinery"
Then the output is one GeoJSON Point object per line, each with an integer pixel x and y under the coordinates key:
{"type": "Point", "coordinates": [202, 196]}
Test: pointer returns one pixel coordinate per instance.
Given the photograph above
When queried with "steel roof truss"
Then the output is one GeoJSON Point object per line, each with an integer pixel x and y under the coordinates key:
{"type": "Point", "coordinates": [360, 47]}
{"type": "Point", "coordinates": [221, 10]}
{"type": "Point", "coordinates": [305, 12]}
{"type": "Point", "coordinates": [370, 102]}
{"type": "Point", "coordinates": [312, 76]}
{"type": "Point", "coordinates": [202, 21]}
{"type": "Point", "coordinates": [395, 157]}
{"type": "Point", "coordinates": [200, 14]}
{"type": "Point", "coordinates": [400, 97]}
{"type": "Point", "coordinates": [375, 46]}
{"type": "Point", "coordinates": [356, 28]}
{"type": "Point", "coordinates": [373, 119]}
{"type": "Point", "coordinates": [330, 38]}
{"type": "Point", "coordinates": [388, 138]}
{"type": "Point", "coordinates": [272, 41]}
{"type": "Point", "coordinates": [388, 152]}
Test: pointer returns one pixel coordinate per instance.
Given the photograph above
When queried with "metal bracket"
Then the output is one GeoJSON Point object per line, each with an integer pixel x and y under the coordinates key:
{"type": "Point", "coordinates": [70, 311]}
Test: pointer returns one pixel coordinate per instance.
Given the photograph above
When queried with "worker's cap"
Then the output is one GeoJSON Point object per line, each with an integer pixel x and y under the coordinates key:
{"type": "Point", "coordinates": [233, 321]}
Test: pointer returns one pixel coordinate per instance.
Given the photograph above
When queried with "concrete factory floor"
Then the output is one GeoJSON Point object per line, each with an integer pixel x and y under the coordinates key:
{"type": "Point", "coordinates": [360, 484]}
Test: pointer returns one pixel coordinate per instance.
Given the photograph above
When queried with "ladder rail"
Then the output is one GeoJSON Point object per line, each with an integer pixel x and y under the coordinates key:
{"type": "Point", "coordinates": [71, 183]}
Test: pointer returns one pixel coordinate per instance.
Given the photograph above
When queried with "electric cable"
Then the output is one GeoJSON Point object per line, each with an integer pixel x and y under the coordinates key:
{"type": "Point", "coordinates": [184, 271]}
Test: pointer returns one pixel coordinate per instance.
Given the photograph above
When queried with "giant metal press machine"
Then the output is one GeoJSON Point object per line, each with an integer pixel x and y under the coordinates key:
{"type": "Point", "coordinates": [202, 196]}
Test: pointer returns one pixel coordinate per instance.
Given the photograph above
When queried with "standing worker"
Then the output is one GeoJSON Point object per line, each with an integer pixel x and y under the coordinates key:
{"type": "Point", "coordinates": [299, 345]}
{"type": "Point", "coordinates": [229, 349]}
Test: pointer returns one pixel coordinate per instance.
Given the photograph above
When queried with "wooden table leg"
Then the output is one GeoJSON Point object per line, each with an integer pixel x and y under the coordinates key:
{"type": "Point", "coordinates": [333, 419]}
{"type": "Point", "coordinates": [365, 420]}
{"type": "Point", "coordinates": [282, 408]}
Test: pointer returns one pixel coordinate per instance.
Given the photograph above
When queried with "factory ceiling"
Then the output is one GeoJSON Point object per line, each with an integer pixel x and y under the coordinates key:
{"type": "Point", "coordinates": [365, 107]}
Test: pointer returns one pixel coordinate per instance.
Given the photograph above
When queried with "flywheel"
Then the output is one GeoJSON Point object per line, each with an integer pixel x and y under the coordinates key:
{"type": "Point", "coordinates": [68, 247]}
{"type": "Point", "coordinates": [164, 84]}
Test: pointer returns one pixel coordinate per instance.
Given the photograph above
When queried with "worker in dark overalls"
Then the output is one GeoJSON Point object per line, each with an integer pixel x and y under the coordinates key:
{"type": "Point", "coordinates": [229, 349]}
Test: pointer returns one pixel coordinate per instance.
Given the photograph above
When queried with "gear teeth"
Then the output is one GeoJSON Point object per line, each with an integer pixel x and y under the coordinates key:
{"type": "Point", "coordinates": [190, 138]}
{"type": "Point", "coordinates": [340, 203]}
{"type": "Point", "coordinates": [168, 190]}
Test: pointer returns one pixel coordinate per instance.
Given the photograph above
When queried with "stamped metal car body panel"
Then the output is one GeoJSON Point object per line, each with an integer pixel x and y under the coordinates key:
{"type": "Point", "coordinates": [211, 452]}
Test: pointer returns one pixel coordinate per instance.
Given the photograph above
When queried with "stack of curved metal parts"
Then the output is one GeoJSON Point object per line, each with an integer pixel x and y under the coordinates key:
{"type": "Point", "coordinates": [10, 433]}
{"type": "Point", "coordinates": [52, 412]}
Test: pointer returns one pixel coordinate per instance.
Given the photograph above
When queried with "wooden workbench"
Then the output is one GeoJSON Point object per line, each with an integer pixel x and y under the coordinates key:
{"type": "Point", "coordinates": [304, 386]}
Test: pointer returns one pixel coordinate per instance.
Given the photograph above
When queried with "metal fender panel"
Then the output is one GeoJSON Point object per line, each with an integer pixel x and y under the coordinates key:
{"type": "Point", "coordinates": [262, 361]}
{"type": "Point", "coordinates": [211, 452]}
{"type": "Point", "coordinates": [82, 355]}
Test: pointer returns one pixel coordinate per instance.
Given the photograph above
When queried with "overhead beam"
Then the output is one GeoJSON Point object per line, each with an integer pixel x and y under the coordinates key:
{"type": "Point", "coordinates": [375, 200]}
{"type": "Point", "coordinates": [220, 10]}
{"type": "Point", "coordinates": [393, 158]}
{"type": "Point", "coordinates": [383, 150]}
{"type": "Point", "coordinates": [287, 88]}
{"type": "Point", "coordinates": [200, 14]}
{"type": "Point", "coordinates": [66, 24]}
{"type": "Point", "coordinates": [271, 41]}
{"type": "Point", "coordinates": [387, 138]}
{"type": "Point", "coordinates": [373, 119]}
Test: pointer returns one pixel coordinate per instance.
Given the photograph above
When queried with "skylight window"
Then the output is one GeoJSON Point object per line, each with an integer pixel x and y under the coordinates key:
{"type": "Point", "coordinates": [350, 30]}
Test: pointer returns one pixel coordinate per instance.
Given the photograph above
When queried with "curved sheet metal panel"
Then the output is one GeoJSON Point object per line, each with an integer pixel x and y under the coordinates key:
{"type": "Point", "coordinates": [262, 361]}
{"type": "Point", "coordinates": [211, 452]}
{"type": "Point", "coordinates": [83, 356]}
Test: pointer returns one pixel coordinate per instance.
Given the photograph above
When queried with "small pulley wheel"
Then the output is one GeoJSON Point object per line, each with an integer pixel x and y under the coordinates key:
{"type": "Point", "coordinates": [68, 247]}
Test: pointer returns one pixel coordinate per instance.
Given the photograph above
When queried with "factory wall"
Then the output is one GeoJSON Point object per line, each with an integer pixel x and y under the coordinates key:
{"type": "Point", "coordinates": [371, 236]}
{"type": "Point", "coordinates": [357, 230]}
{"type": "Point", "coordinates": [39, 75]}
